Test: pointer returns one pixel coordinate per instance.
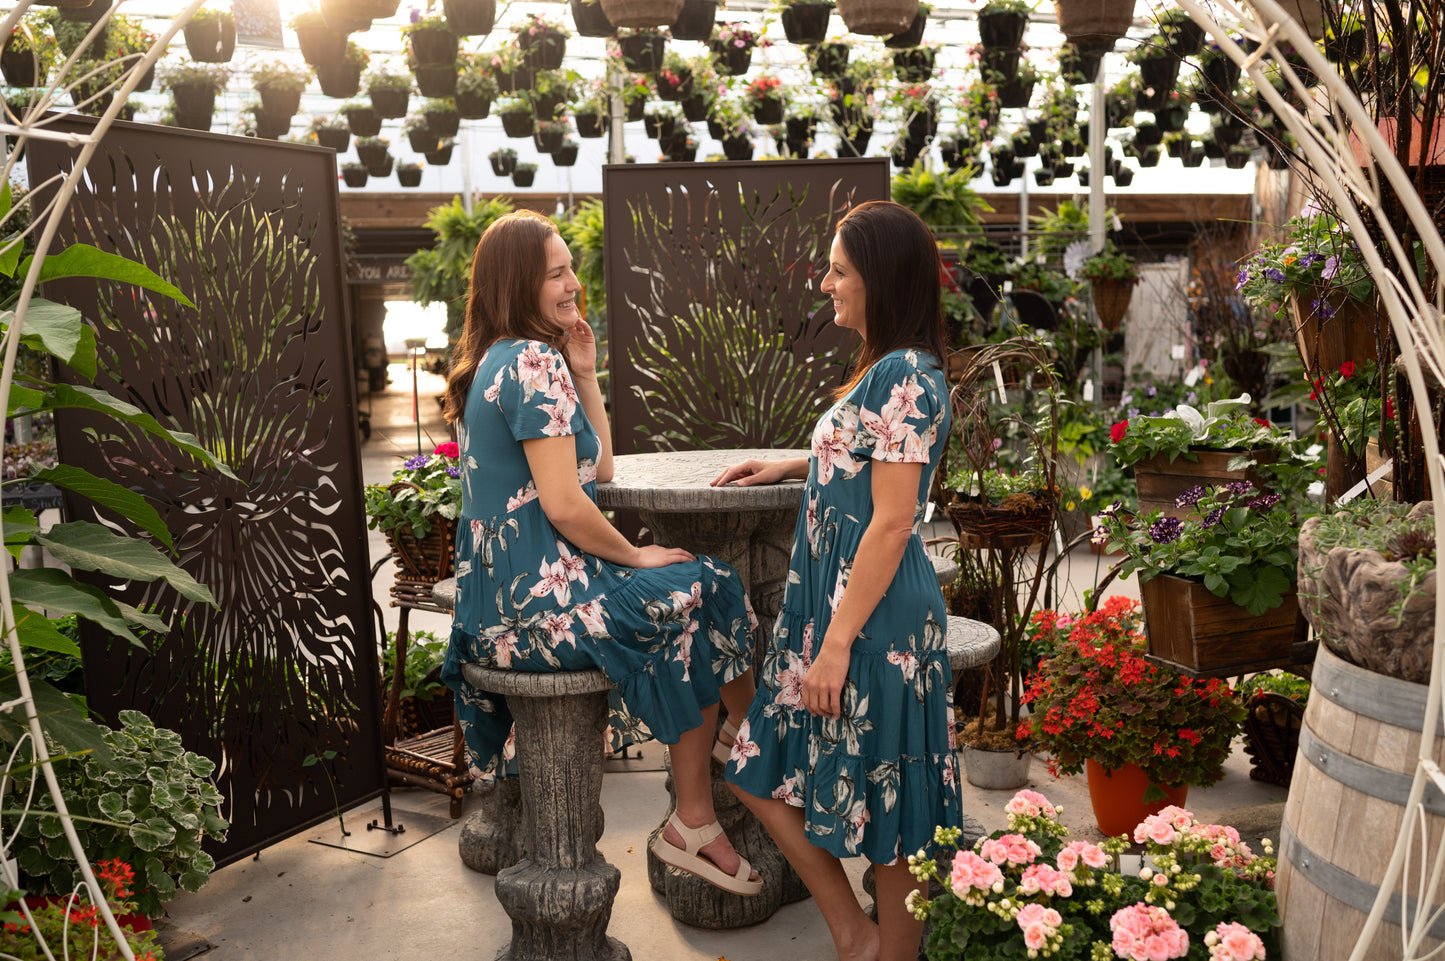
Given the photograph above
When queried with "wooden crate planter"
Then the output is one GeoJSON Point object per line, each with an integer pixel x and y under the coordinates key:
{"type": "Point", "coordinates": [1201, 635]}
{"type": "Point", "coordinates": [1161, 480]}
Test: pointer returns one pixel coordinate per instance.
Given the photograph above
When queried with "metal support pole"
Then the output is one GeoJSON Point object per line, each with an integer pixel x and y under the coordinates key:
{"type": "Point", "coordinates": [616, 144]}
{"type": "Point", "coordinates": [1098, 123]}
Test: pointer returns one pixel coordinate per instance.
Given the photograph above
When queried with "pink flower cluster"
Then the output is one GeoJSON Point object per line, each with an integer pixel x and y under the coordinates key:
{"type": "Point", "coordinates": [1234, 942]}
{"type": "Point", "coordinates": [1075, 851]}
{"type": "Point", "coordinates": [1039, 925]}
{"type": "Point", "coordinates": [972, 873]}
{"type": "Point", "coordinates": [1144, 933]}
{"type": "Point", "coordinates": [1010, 849]}
{"type": "Point", "coordinates": [1030, 804]}
{"type": "Point", "coordinates": [1042, 879]}
{"type": "Point", "coordinates": [1164, 827]}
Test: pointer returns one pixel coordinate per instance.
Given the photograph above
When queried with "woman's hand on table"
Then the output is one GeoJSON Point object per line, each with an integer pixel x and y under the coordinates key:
{"type": "Point", "coordinates": [655, 555]}
{"type": "Point", "coordinates": [752, 472]}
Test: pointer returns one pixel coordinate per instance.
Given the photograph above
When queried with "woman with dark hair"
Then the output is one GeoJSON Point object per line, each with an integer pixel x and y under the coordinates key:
{"type": "Point", "coordinates": [848, 747]}
{"type": "Point", "coordinates": [544, 582]}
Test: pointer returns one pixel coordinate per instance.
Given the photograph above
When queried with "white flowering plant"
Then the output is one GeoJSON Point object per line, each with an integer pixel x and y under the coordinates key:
{"type": "Point", "coordinates": [1030, 892]}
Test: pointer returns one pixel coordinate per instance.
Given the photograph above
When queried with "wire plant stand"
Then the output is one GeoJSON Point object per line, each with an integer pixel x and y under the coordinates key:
{"type": "Point", "coordinates": [1323, 126]}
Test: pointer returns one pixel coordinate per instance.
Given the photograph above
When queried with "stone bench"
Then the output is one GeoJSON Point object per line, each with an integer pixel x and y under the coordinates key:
{"type": "Point", "coordinates": [559, 896]}
{"type": "Point", "coordinates": [970, 644]}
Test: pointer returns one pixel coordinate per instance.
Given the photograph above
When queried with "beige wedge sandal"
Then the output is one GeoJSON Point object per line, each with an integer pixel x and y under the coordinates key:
{"type": "Point", "coordinates": [691, 860]}
{"type": "Point", "coordinates": [722, 750]}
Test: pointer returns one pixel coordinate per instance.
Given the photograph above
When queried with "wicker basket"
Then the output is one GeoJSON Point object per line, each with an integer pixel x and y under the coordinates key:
{"type": "Point", "coordinates": [642, 13]}
{"type": "Point", "coordinates": [878, 18]}
{"type": "Point", "coordinates": [1271, 737]}
{"type": "Point", "coordinates": [982, 526]}
{"type": "Point", "coordinates": [1094, 23]}
{"type": "Point", "coordinates": [1111, 301]}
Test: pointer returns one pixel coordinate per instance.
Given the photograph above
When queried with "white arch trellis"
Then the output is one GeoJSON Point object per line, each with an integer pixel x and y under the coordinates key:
{"type": "Point", "coordinates": [1418, 322]}
{"type": "Point", "coordinates": [44, 223]}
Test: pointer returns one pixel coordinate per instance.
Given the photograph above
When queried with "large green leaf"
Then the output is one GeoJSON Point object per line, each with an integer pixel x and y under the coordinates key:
{"type": "Point", "coordinates": [19, 523]}
{"type": "Point", "coordinates": [59, 717]}
{"type": "Point", "coordinates": [90, 547]}
{"type": "Point", "coordinates": [59, 593]}
{"type": "Point", "coordinates": [109, 494]}
{"type": "Point", "coordinates": [61, 331]}
{"type": "Point", "coordinates": [83, 260]}
{"type": "Point", "coordinates": [28, 400]}
{"type": "Point", "coordinates": [38, 633]}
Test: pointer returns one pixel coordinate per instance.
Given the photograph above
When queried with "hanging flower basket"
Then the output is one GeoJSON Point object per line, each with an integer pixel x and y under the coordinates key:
{"type": "Point", "coordinates": [470, 18]}
{"type": "Point", "coordinates": [517, 124]}
{"type": "Point", "coordinates": [590, 20]}
{"type": "Point", "coordinates": [768, 112]}
{"type": "Point", "coordinates": [1111, 301]}
{"type": "Point", "coordinates": [694, 108]}
{"type": "Point", "coordinates": [523, 175]}
{"type": "Point", "coordinates": [1019, 522]}
{"type": "Point", "coordinates": [339, 80]}
{"type": "Point", "coordinates": [806, 22]}
{"type": "Point", "coordinates": [389, 103]}
{"type": "Point", "coordinates": [442, 123]}
{"type": "Point", "coordinates": [420, 139]}
{"type": "Point", "coordinates": [642, 52]}
{"type": "Point", "coordinates": [732, 60]}
{"type": "Point", "coordinates": [1094, 24]}
{"type": "Point", "coordinates": [565, 155]}
{"type": "Point", "coordinates": [829, 60]}
{"type": "Point", "coordinates": [194, 105]}
{"type": "Point", "coordinates": [503, 162]}
{"type": "Point", "coordinates": [335, 138]}
{"type": "Point", "coordinates": [409, 175]}
{"type": "Point", "coordinates": [738, 148]}
{"type": "Point", "coordinates": [696, 21]}
{"type": "Point", "coordinates": [911, 36]}
{"type": "Point", "coordinates": [211, 41]}
{"type": "Point", "coordinates": [436, 81]}
{"type": "Point", "coordinates": [878, 18]}
{"type": "Point", "coordinates": [1002, 29]}
{"type": "Point", "coordinates": [433, 45]}
{"type": "Point", "coordinates": [544, 49]}
{"type": "Point", "coordinates": [441, 156]}
{"type": "Point", "coordinates": [355, 175]}
{"type": "Point", "coordinates": [427, 560]}
{"type": "Point", "coordinates": [1271, 736]}
{"type": "Point", "coordinates": [641, 13]}
{"type": "Point", "coordinates": [472, 106]}
{"type": "Point", "coordinates": [363, 121]}
{"type": "Point", "coordinates": [589, 125]}
{"type": "Point", "coordinates": [320, 45]}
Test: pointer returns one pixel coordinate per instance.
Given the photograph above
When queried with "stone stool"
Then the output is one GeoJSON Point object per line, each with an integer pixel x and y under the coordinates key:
{"type": "Point", "coordinates": [560, 897]}
{"type": "Point", "coordinates": [970, 644]}
{"type": "Point", "coordinates": [944, 568]}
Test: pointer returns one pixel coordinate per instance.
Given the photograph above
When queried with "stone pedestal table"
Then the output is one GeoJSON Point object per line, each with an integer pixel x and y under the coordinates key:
{"type": "Point", "coordinates": [751, 529]}
{"type": "Point", "coordinates": [559, 897]}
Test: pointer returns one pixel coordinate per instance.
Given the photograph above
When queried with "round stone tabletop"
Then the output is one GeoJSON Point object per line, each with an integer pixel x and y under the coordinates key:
{"type": "Point", "coordinates": [678, 482]}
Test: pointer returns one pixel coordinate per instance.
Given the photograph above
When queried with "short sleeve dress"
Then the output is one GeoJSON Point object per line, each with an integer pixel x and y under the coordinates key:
{"type": "Point", "coordinates": [879, 779]}
{"type": "Point", "coordinates": [528, 600]}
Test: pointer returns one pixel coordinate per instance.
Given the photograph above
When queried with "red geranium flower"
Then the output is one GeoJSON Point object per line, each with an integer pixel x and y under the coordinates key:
{"type": "Point", "coordinates": [449, 449]}
{"type": "Point", "coordinates": [1261, 422]}
{"type": "Point", "coordinates": [1347, 369]}
{"type": "Point", "coordinates": [1117, 432]}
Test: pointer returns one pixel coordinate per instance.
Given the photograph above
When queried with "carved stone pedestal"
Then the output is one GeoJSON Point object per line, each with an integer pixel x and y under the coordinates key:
{"type": "Point", "coordinates": [560, 898]}
{"type": "Point", "coordinates": [490, 840]}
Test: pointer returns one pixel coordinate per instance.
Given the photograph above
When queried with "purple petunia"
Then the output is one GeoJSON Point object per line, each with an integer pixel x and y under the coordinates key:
{"type": "Point", "coordinates": [1165, 530]}
{"type": "Point", "coordinates": [1323, 307]}
{"type": "Point", "coordinates": [1112, 510]}
{"type": "Point", "coordinates": [1100, 536]}
{"type": "Point", "coordinates": [1274, 274]}
{"type": "Point", "coordinates": [1332, 267]}
{"type": "Point", "coordinates": [1212, 517]}
{"type": "Point", "coordinates": [1264, 502]}
{"type": "Point", "coordinates": [1190, 497]}
{"type": "Point", "coordinates": [1239, 488]}
{"type": "Point", "coordinates": [454, 472]}
{"type": "Point", "coordinates": [1241, 280]}
{"type": "Point", "coordinates": [417, 462]}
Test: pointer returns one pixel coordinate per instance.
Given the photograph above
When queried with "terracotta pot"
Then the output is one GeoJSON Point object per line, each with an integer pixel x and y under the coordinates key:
{"type": "Point", "coordinates": [1118, 797]}
{"type": "Point", "coordinates": [1197, 633]}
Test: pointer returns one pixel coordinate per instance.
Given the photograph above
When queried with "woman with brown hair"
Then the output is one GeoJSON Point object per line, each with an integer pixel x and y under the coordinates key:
{"type": "Point", "coordinates": [544, 582]}
{"type": "Point", "coordinates": [848, 747]}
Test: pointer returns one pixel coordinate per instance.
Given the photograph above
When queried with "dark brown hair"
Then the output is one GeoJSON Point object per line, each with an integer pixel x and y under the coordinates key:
{"type": "Point", "coordinates": [897, 258]}
{"type": "Point", "coordinates": [507, 272]}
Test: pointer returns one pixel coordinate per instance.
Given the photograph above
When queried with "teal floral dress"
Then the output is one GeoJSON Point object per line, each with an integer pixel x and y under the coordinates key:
{"type": "Point", "coordinates": [876, 781]}
{"type": "Point", "coordinates": [527, 600]}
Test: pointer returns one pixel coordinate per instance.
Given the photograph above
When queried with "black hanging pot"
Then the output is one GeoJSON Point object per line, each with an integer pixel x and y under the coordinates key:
{"type": "Point", "coordinates": [590, 19]}
{"type": "Point", "coordinates": [1016, 93]}
{"type": "Point", "coordinates": [441, 156]}
{"type": "Point", "coordinates": [382, 167]}
{"type": "Point", "coordinates": [737, 148]}
{"type": "Point", "coordinates": [1002, 30]}
{"type": "Point", "coordinates": [1151, 98]}
{"type": "Point", "coordinates": [589, 125]}
{"type": "Point", "coordinates": [1159, 72]}
{"type": "Point", "coordinates": [694, 107]}
{"type": "Point", "coordinates": [1192, 156]}
{"type": "Point", "coordinates": [364, 122]}
{"type": "Point", "coordinates": [408, 176]}
{"type": "Point", "coordinates": [911, 37]}
{"type": "Point", "coordinates": [421, 139]}
{"type": "Point", "coordinates": [443, 123]}
{"type": "Point", "coordinates": [433, 45]}
{"type": "Point", "coordinates": [1001, 178]}
{"type": "Point", "coordinates": [517, 80]}
{"type": "Point", "coordinates": [658, 128]}
{"type": "Point", "coordinates": [518, 124]}
{"type": "Point", "coordinates": [633, 110]}
{"type": "Point", "coordinates": [1147, 134]}
{"type": "Point", "coordinates": [1220, 76]}
{"type": "Point", "coordinates": [1025, 146]}
{"type": "Point", "coordinates": [549, 140]}
{"type": "Point", "coordinates": [715, 130]}
{"type": "Point", "coordinates": [801, 128]}
{"type": "Point", "coordinates": [472, 106]}
{"type": "Point", "coordinates": [1077, 66]}
{"type": "Point", "coordinates": [194, 105]}
{"type": "Point", "coordinates": [922, 125]}
{"type": "Point", "coordinates": [502, 163]}
{"type": "Point", "coordinates": [1149, 156]}
{"type": "Point", "coordinates": [371, 154]}
{"type": "Point", "coordinates": [280, 103]}
{"type": "Point", "coordinates": [544, 49]}
{"type": "Point", "coordinates": [674, 90]}
{"type": "Point", "coordinates": [904, 154]}
{"type": "Point", "coordinates": [768, 111]}
{"type": "Point", "coordinates": [732, 60]}
{"type": "Point", "coordinates": [334, 138]}
{"type": "Point", "coordinates": [270, 126]}
{"type": "Point", "coordinates": [545, 105]}
{"type": "Point", "coordinates": [321, 45]}
{"type": "Point", "coordinates": [797, 148]}
{"type": "Point", "coordinates": [1005, 63]}
{"type": "Point", "coordinates": [213, 41]}
{"type": "Point", "coordinates": [437, 81]}
{"type": "Point", "coordinates": [806, 22]}
{"type": "Point", "coordinates": [696, 20]}
{"type": "Point", "coordinates": [355, 176]}
{"type": "Point", "coordinates": [470, 18]}
{"type": "Point", "coordinates": [19, 66]}
{"type": "Point", "coordinates": [857, 144]}
{"type": "Point", "coordinates": [389, 104]}
{"type": "Point", "coordinates": [1171, 119]}
{"type": "Point", "coordinates": [341, 16]}
{"type": "Point", "coordinates": [1044, 177]}
{"type": "Point", "coordinates": [523, 176]}
{"type": "Point", "coordinates": [1184, 37]}
{"type": "Point", "coordinates": [642, 52]}
{"type": "Point", "coordinates": [566, 155]}
{"type": "Point", "coordinates": [340, 80]}
{"type": "Point", "coordinates": [914, 65]}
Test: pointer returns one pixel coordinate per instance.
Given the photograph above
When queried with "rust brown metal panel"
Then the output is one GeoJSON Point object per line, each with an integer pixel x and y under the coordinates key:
{"type": "Point", "coordinates": [261, 372]}
{"type": "Point", "coordinates": [718, 334]}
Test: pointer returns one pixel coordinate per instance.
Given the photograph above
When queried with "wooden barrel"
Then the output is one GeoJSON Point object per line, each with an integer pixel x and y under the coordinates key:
{"type": "Point", "coordinates": [1356, 761]}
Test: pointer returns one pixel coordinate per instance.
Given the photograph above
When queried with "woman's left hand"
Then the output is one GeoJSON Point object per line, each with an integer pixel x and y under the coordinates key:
{"type": "Point", "coordinates": [582, 349]}
{"type": "Point", "coordinates": [823, 684]}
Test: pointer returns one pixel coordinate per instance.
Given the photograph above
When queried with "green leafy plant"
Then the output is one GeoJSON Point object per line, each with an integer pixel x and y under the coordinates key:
{"type": "Point", "coordinates": [383, 78]}
{"type": "Point", "coordinates": [1006, 6]}
{"type": "Point", "coordinates": [213, 15]}
{"type": "Point", "coordinates": [1315, 259]}
{"type": "Point", "coordinates": [1096, 697]}
{"type": "Point", "coordinates": [430, 486]}
{"type": "Point", "coordinates": [357, 54]}
{"type": "Point", "coordinates": [32, 37]}
{"type": "Point", "coordinates": [442, 273]}
{"type": "Point", "coordinates": [943, 201]}
{"type": "Point", "coordinates": [1027, 891]}
{"type": "Point", "coordinates": [273, 73]}
{"type": "Point", "coordinates": [474, 77]}
{"type": "Point", "coordinates": [1111, 263]}
{"type": "Point", "coordinates": [513, 105]}
{"type": "Point", "coordinates": [187, 74]}
{"type": "Point", "coordinates": [426, 21]}
{"type": "Point", "coordinates": [368, 142]}
{"type": "Point", "coordinates": [152, 805]}
{"type": "Point", "coordinates": [535, 23]}
{"type": "Point", "coordinates": [1284, 683]}
{"type": "Point", "coordinates": [328, 122]}
{"type": "Point", "coordinates": [1222, 425]}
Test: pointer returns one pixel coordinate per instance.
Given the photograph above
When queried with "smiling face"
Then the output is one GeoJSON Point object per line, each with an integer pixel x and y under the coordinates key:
{"type": "Point", "coordinates": [558, 298]}
{"type": "Point", "coordinates": [845, 285]}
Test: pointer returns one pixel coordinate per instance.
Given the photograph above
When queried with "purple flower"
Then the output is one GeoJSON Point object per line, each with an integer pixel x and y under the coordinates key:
{"type": "Point", "coordinates": [1112, 510]}
{"type": "Point", "coordinates": [1274, 274]}
{"type": "Point", "coordinates": [417, 462]}
{"type": "Point", "coordinates": [1191, 398]}
{"type": "Point", "coordinates": [1100, 536]}
{"type": "Point", "coordinates": [1332, 266]}
{"type": "Point", "coordinates": [454, 472]}
{"type": "Point", "coordinates": [1151, 391]}
{"type": "Point", "coordinates": [1165, 530]}
{"type": "Point", "coordinates": [1239, 488]}
{"type": "Point", "coordinates": [1190, 497]}
{"type": "Point", "coordinates": [1212, 517]}
{"type": "Point", "coordinates": [1241, 280]}
{"type": "Point", "coordinates": [1264, 502]}
{"type": "Point", "coordinates": [1323, 307]}
{"type": "Point", "coordinates": [415, 14]}
{"type": "Point", "coordinates": [1310, 259]}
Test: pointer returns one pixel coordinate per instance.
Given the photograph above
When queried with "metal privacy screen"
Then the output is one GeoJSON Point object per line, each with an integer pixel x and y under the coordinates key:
{"type": "Point", "coordinates": [718, 335]}
{"type": "Point", "coordinates": [279, 686]}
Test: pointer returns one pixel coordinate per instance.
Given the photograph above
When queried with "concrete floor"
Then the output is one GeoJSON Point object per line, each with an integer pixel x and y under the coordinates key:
{"type": "Point", "coordinates": [313, 901]}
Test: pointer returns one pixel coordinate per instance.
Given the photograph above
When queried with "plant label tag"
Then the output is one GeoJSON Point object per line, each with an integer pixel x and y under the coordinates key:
{"type": "Point", "coordinates": [1192, 378]}
{"type": "Point", "coordinates": [1059, 540]}
{"type": "Point", "coordinates": [998, 379]}
{"type": "Point", "coordinates": [1369, 481]}
{"type": "Point", "coordinates": [1176, 352]}
{"type": "Point", "coordinates": [1089, 391]}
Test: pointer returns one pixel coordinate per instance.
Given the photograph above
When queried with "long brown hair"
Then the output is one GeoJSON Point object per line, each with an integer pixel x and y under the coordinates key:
{"type": "Point", "coordinates": [897, 258]}
{"type": "Point", "coordinates": [503, 302]}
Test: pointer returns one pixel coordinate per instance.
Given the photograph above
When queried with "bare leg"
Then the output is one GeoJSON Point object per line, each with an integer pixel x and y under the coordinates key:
{"type": "Point", "coordinates": [854, 936]}
{"type": "Point", "coordinates": [737, 697]}
{"type": "Point", "coordinates": [899, 933]}
{"type": "Point", "coordinates": [692, 781]}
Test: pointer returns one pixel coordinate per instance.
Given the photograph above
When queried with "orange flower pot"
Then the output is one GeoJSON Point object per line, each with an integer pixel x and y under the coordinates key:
{"type": "Point", "coordinates": [1118, 797]}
